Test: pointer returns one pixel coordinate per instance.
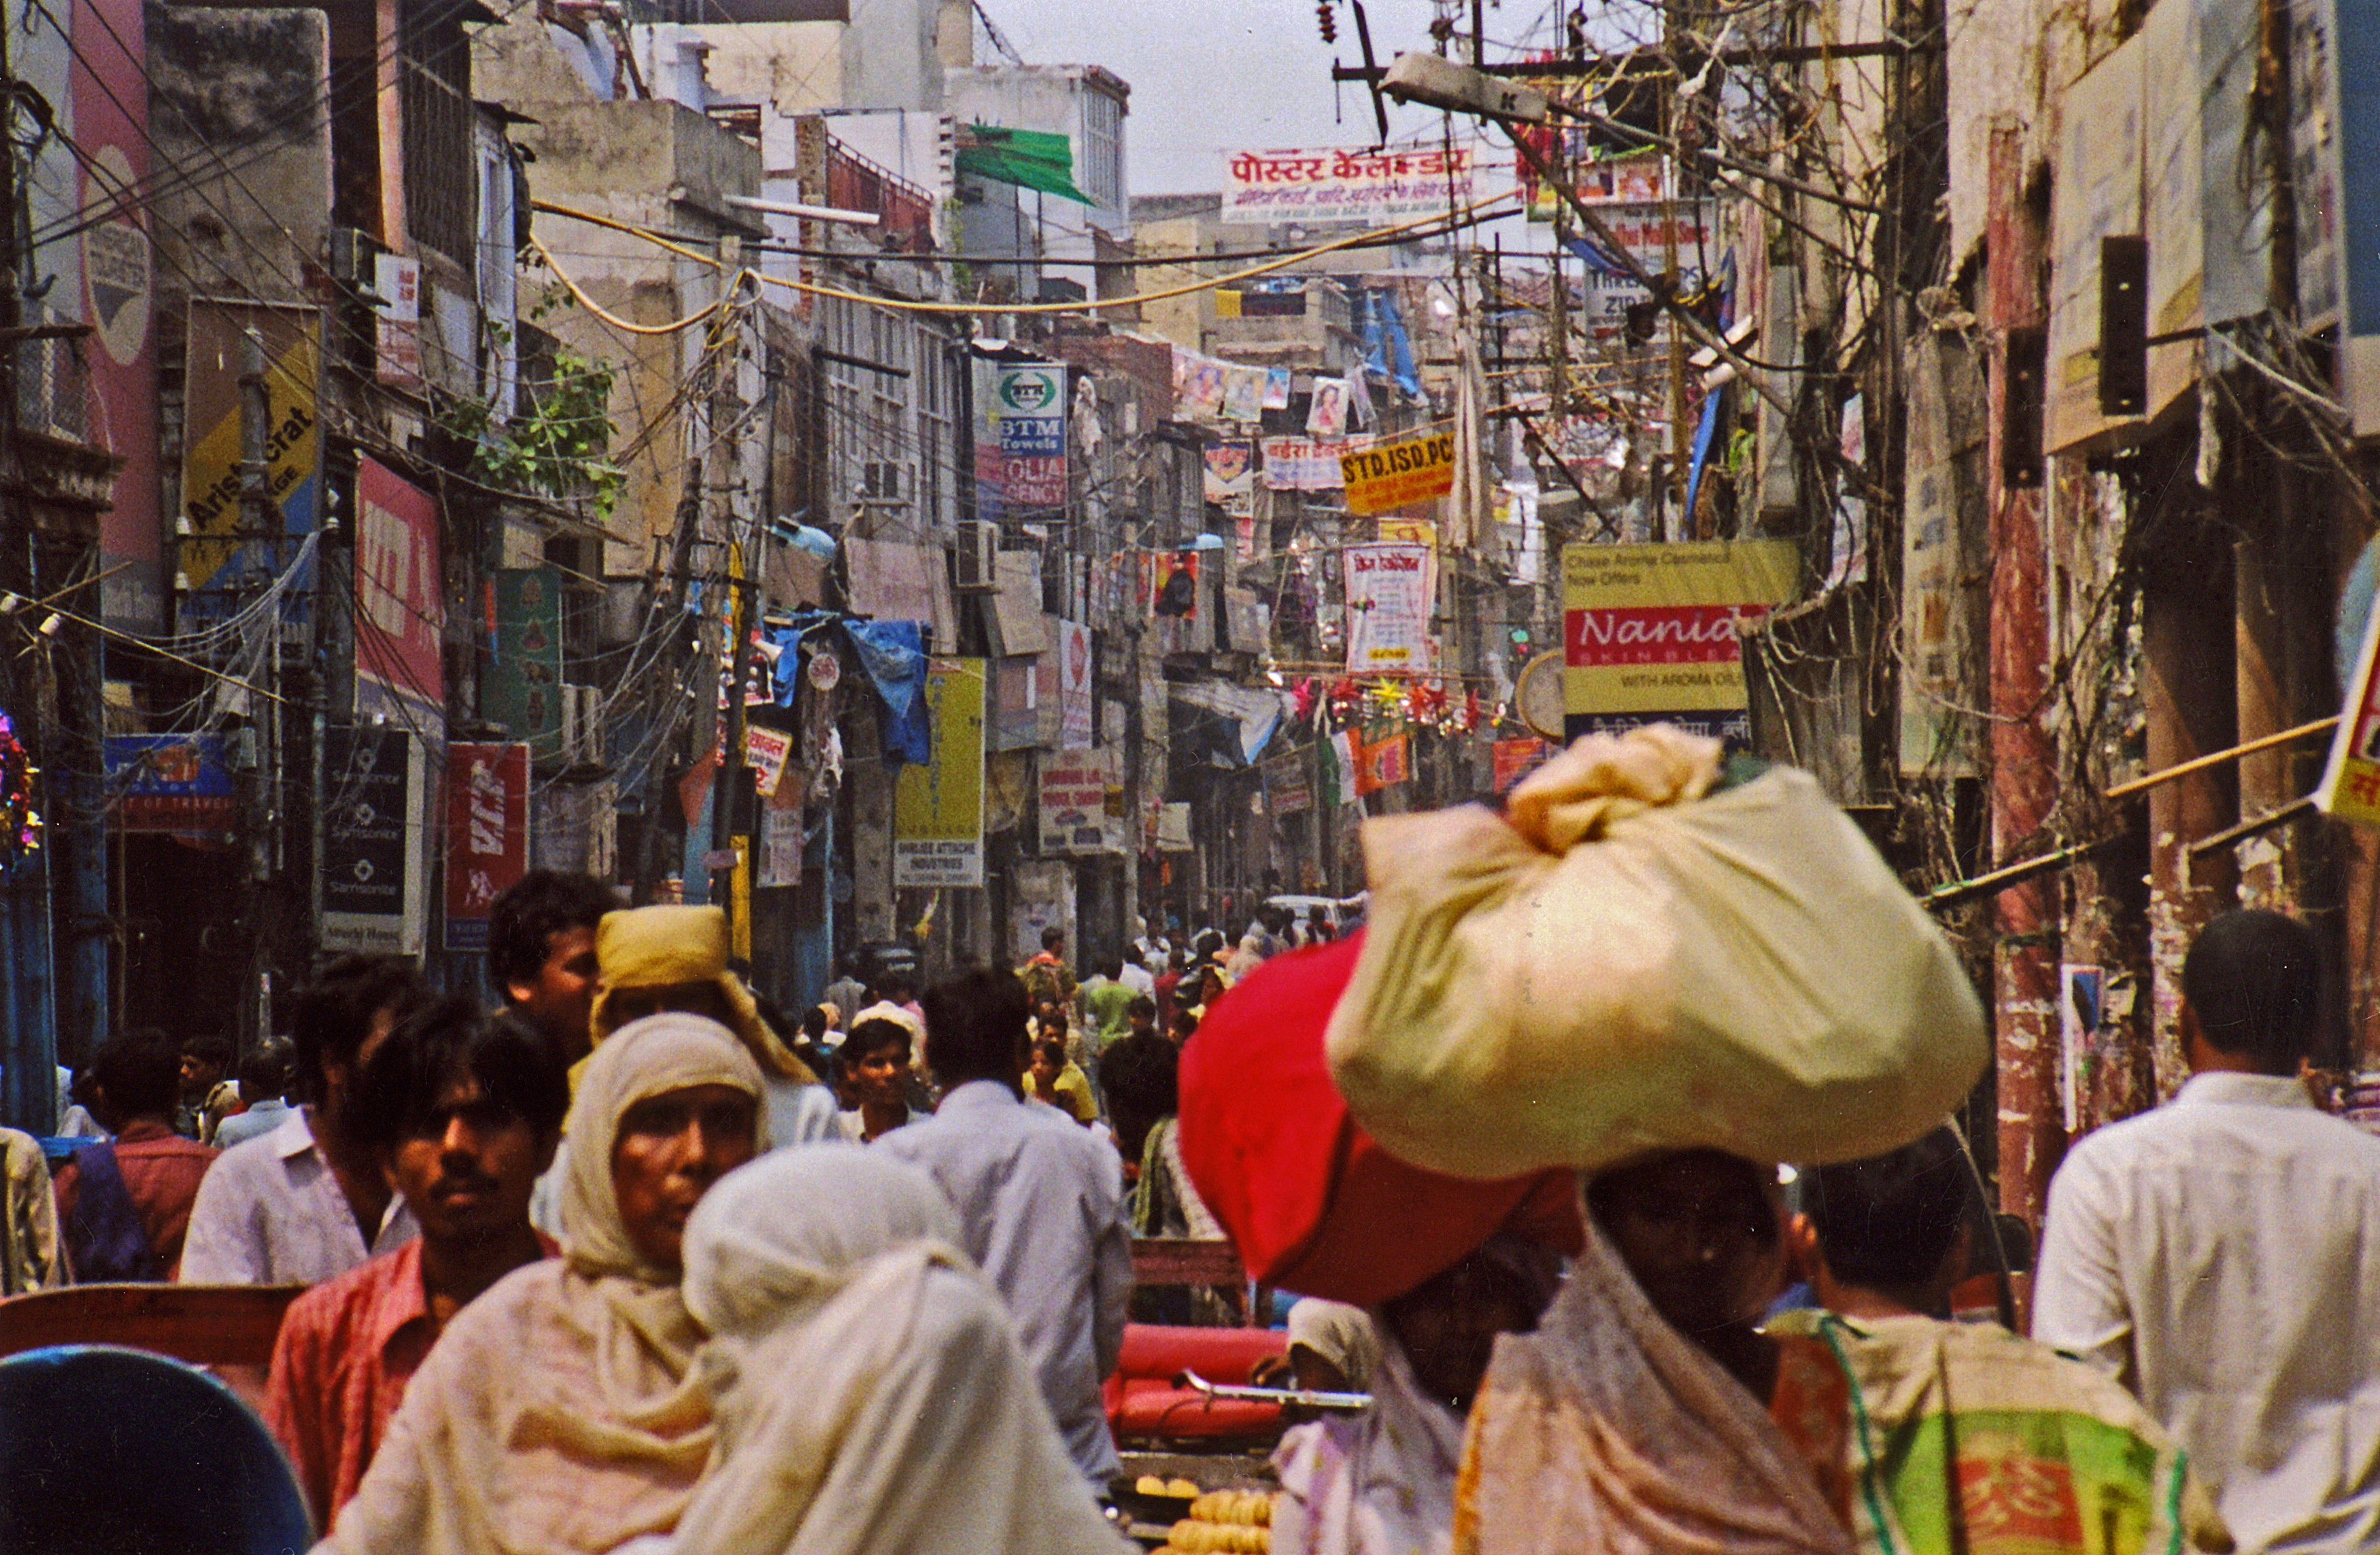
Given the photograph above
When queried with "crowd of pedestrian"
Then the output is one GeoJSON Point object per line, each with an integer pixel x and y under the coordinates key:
{"type": "Point", "coordinates": [635, 1262]}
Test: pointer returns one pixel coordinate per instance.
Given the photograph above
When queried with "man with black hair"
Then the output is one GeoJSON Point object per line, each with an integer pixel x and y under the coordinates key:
{"type": "Point", "coordinates": [462, 1109]}
{"type": "Point", "coordinates": [2216, 1255]}
{"type": "Point", "coordinates": [875, 1062]}
{"type": "Point", "coordinates": [124, 1205]}
{"type": "Point", "coordinates": [1040, 1201]}
{"type": "Point", "coordinates": [308, 1201]}
{"type": "Point", "coordinates": [1968, 1438]}
{"type": "Point", "coordinates": [541, 951]}
{"type": "Point", "coordinates": [208, 1095]}
{"type": "Point", "coordinates": [265, 1082]}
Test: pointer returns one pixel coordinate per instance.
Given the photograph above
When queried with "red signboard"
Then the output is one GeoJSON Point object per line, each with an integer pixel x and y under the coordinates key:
{"type": "Point", "coordinates": [487, 834]}
{"type": "Point", "coordinates": [400, 605]}
{"type": "Point", "coordinates": [1517, 758]}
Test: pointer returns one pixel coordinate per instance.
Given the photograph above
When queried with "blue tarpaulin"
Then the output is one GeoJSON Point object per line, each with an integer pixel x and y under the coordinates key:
{"type": "Point", "coordinates": [892, 655]}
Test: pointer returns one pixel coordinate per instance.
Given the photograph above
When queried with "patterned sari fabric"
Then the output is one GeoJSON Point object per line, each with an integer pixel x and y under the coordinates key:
{"type": "Point", "coordinates": [1965, 1438]}
{"type": "Point", "coordinates": [1608, 1431]}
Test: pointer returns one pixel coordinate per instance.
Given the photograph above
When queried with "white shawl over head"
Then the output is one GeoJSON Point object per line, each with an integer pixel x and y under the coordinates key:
{"type": "Point", "coordinates": [869, 1393]}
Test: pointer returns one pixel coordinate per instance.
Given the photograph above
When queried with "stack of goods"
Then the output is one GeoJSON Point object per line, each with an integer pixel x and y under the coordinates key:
{"type": "Point", "coordinates": [1225, 1523]}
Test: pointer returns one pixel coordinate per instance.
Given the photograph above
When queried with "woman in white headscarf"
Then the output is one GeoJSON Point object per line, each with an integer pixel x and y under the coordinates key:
{"type": "Point", "coordinates": [559, 1413]}
{"type": "Point", "coordinates": [1383, 1482]}
{"type": "Point", "coordinates": [867, 1382]}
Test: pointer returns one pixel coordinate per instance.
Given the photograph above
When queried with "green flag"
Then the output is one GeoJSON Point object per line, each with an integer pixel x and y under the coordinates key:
{"type": "Point", "coordinates": [1030, 159]}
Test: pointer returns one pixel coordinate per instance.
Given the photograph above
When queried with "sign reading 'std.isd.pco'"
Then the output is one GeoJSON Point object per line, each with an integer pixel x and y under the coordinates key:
{"type": "Point", "coordinates": [1650, 632]}
{"type": "Point", "coordinates": [1389, 475]}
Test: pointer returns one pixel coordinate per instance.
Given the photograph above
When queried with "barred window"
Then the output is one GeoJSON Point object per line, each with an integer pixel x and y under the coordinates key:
{"type": "Point", "coordinates": [441, 174]}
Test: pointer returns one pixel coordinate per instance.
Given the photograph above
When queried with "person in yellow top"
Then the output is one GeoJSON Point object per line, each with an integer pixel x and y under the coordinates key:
{"type": "Point", "coordinates": [1059, 1081]}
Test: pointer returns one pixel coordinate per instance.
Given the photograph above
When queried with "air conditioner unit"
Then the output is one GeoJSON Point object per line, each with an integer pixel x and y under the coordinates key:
{"type": "Point", "coordinates": [978, 558]}
{"type": "Point", "coordinates": [582, 730]}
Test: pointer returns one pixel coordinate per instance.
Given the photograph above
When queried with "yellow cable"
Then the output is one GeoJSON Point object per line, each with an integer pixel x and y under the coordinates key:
{"type": "Point", "coordinates": [905, 306]}
{"type": "Point", "coordinates": [620, 323]}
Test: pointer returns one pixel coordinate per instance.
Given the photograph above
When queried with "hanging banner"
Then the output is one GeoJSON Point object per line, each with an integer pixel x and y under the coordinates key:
{"type": "Point", "coordinates": [521, 688]}
{"type": "Point", "coordinates": [766, 751]}
{"type": "Point", "coordinates": [1382, 764]}
{"type": "Point", "coordinates": [1650, 632]}
{"type": "Point", "coordinates": [400, 603]}
{"type": "Point", "coordinates": [1074, 802]}
{"type": "Point", "coordinates": [228, 565]}
{"type": "Point", "coordinates": [1244, 391]}
{"type": "Point", "coordinates": [375, 821]}
{"type": "Point", "coordinates": [1391, 475]}
{"type": "Point", "coordinates": [1348, 184]}
{"type": "Point", "coordinates": [1391, 590]}
{"type": "Point", "coordinates": [1305, 463]}
{"type": "Point", "coordinates": [1287, 790]}
{"type": "Point", "coordinates": [1229, 468]}
{"type": "Point", "coordinates": [1072, 651]}
{"type": "Point", "coordinates": [780, 861]}
{"type": "Point", "coordinates": [938, 806]}
{"type": "Point", "coordinates": [1020, 449]}
{"type": "Point", "coordinates": [487, 835]}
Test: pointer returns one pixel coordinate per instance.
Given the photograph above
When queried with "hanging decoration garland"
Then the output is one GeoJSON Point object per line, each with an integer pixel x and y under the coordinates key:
{"type": "Point", "coordinates": [20, 824]}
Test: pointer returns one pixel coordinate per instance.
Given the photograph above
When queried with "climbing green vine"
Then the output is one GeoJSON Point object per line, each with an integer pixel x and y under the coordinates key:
{"type": "Point", "coordinates": [556, 445]}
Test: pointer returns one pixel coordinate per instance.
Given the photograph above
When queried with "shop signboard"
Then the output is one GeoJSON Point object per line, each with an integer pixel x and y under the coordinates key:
{"type": "Point", "coordinates": [1650, 632]}
{"type": "Point", "coordinates": [1391, 592]}
{"type": "Point", "coordinates": [1392, 475]}
{"type": "Point", "coordinates": [1020, 449]}
{"type": "Point", "coordinates": [1349, 184]}
{"type": "Point", "coordinates": [487, 835]}
{"type": "Point", "coordinates": [226, 556]}
{"type": "Point", "coordinates": [375, 824]}
{"type": "Point", "coordinates": [1074, 802]}
{"type": "Point", "coordinates": [400, 599]}
{"type": "Point", "coordinates": [938, 805]}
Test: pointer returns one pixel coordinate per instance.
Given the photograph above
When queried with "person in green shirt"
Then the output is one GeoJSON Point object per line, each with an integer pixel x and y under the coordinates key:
{"type": "Point", "coordinates": [1106, 998]}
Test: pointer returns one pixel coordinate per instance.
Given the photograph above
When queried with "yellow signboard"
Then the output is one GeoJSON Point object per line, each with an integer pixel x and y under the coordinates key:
{"type": "Point", "coordinates": [938, 807]}
{"type": "Point", "coordinates": [2350, 789]}
{"type": "Point", "coordinates": [1649, 631]}
{"type": "Point", "coordinates": [222, 556]}
{"type": "Point", "coordinates": [1389, 475]}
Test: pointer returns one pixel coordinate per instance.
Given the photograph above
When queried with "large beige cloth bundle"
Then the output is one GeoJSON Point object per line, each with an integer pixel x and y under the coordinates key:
{"type": "Point", "coordinates": [1627, 960]}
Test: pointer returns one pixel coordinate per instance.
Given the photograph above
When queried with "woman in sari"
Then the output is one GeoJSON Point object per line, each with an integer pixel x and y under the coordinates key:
{"type": "Point", "coordinates": [1648, 1414]}
{"type": "Point", "coordinates": [559, 1413]}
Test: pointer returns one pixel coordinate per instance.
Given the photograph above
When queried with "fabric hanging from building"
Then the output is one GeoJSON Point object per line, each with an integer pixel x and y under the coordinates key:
{"type": "Point", "coordinates": [1030, 159]}
{"type": "Point", "coordinates": [891, 654]}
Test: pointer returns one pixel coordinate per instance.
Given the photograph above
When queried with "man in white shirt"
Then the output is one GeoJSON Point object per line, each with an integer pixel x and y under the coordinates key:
{"type": "Point", "coordinates": [2216, 1255]}
{"type": "Point", "coordinates": [308, 1201]}
{"type": "Point", "coordinates": [1136, 977]}
{"type": "Point", "coordinates": [1041, 1202]}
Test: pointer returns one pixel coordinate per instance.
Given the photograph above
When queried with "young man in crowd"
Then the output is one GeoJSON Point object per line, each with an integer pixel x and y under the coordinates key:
{"type": "Point", "coordinates": [2214, 1255]}
{"type": "Point", "coordinates": [1048, 978]}
{"type": "Point", "coordinates": [875, 1060]}
{"type": "Point", "coordinates": [207, 1096]}
{"type": "Point", "coordinates": [307, 1201]}
{"type": "Point", "coordinates": [462, 1110]}
{"type": "Point", "coordinates": [541, 951]}
{"type": "Point", "coordinates": [1970, 1437]}
{"type": "Point", "coordinates": [124, 1205]}
{"type": "Point", "coordinates": [1040, 1200]}
{"type": "Point", "coordinates": [1104, 999]}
